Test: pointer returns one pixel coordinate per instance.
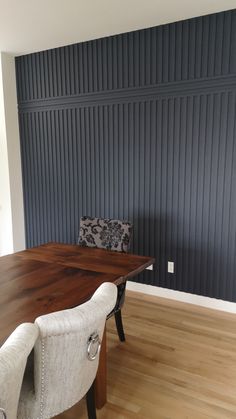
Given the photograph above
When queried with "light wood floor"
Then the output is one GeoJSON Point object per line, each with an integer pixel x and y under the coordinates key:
{"type": "Point", "coordinates": [178, 362]}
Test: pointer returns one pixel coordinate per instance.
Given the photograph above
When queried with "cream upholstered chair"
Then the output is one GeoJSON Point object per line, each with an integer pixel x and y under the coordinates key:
{"type": "Point", "coordinates": [13, 357]}
{"type": "Point", "coordinates": [66, 358]}
{"type": "Point", "coordinates": [115, 235]}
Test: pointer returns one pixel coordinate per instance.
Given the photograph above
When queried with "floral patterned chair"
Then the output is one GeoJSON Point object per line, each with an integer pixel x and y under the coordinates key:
{"type": "Point", "coordinates": [115, 235]}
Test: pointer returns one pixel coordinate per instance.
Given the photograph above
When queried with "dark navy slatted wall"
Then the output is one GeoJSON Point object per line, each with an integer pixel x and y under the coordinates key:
{"type": "Point", "coordinates": [139, 126]}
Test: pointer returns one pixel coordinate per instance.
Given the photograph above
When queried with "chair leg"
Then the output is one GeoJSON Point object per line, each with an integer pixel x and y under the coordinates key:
{"type": "Point", "coordinates": [119, 326]}
{"type": "Point", "coordinates": [90, 401]}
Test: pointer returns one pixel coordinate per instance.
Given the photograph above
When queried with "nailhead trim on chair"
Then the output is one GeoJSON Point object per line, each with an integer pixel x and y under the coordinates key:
{"type": "Point", "coordinates": [42, 380]}
{"type": "Point", "coordinates": [43, 385]}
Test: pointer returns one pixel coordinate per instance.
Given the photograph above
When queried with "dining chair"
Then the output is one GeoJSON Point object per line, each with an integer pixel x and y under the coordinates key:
{"type": "Point", "coordinates": [110, 234]}
{"type": "Point", "coordinates": [66, 356]}
{"type": "Point", "coordinates": [13, 356]}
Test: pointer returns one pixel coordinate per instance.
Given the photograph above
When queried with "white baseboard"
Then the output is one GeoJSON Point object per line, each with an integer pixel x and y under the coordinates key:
{"type": "Point", "coordinates": [183, 296]}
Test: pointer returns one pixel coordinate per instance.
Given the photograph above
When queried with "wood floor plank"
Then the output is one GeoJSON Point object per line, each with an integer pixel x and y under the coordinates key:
{"type": "Point", "coordinates": [178, 362]}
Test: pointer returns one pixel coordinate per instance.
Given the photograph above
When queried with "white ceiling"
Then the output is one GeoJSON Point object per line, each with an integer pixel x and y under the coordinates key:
{"type": "Point", "coordinates": [33, 25]}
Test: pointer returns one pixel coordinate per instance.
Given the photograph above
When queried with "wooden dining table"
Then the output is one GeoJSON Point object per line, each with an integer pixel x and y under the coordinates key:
{"type": "Point", "coordinates": [56, 276]}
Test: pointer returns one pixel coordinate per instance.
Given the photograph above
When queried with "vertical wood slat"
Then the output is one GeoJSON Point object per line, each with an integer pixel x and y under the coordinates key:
{"type": "Point", "coordinates": [186, 175]}
{"type": "Point", "coordinates": [166, 163]}
{"type": "Point", "coordinates": [200, 47]}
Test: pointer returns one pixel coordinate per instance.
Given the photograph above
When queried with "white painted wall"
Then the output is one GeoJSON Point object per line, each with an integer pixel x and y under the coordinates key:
{"type": "Point", "coordinates": [12, 236]}
{"type": "Point", "coordinates": [6, 237]}
{"type": "Point", "coordinates": [28, 26]}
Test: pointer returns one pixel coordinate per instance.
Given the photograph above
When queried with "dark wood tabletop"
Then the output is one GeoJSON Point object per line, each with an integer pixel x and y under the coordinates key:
{"type": "Point", "coordinates": [57, 276]}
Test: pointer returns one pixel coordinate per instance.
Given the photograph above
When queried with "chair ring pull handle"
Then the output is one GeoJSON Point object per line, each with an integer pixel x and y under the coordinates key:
{"type": "Point", "coordinates": [4, 415]}
{"type": "Point", "coordinates": [94, 346]}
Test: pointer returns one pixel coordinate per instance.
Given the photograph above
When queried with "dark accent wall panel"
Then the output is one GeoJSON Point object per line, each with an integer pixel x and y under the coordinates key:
{"type": "Point", "coordinates": [139, 126]}
{"type": "Point", "coordinates": [187, 50]}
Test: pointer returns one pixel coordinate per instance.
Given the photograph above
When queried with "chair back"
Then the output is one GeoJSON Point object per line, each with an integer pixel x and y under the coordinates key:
{"type": "Point", "coordinates": [63, 368]}
{"type": "Point", "coordinates": [105, 233]}
{"type": "Point", "coordinates": [13, 357]}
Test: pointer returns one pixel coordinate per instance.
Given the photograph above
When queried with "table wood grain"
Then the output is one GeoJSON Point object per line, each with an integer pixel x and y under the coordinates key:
{"type": "Point", "coordinates": [124, 265]}
{"type": "Point", "coordinates": [56, 276]}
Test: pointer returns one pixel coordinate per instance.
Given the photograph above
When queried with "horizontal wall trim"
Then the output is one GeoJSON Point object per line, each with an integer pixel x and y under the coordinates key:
{"type": "Point", "coordinates": [181, 88]}
{"type": "Point", "coordinates": [184, 297]}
